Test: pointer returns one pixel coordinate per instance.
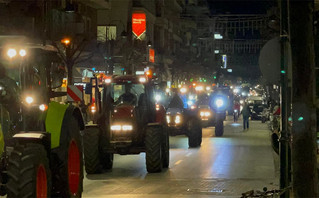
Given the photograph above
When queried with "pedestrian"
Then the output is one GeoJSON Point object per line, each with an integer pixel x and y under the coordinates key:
{"type": "Point", "coordinates": [246, 114]}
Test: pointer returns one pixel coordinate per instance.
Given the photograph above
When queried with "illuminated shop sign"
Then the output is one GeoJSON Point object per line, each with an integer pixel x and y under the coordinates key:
{"type": "Point", "coordinates": [151, 55]}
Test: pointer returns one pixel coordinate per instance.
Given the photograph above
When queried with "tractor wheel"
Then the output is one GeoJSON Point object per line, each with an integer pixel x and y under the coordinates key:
{"type": "Point", "coordinates": [165, 149]}
{"type": "Point", "coordinates": [92, 159]}
{"type": "Point", "coordinates": [153, 145]}
{"type": "Point", "coordinates": [29, 172]}
{"type": "Point", "coordinates": [68, 163]}
{"type": "Point", "coordinates": [194, 133]}
{"type": "Point", "coordinates": [219, 128]}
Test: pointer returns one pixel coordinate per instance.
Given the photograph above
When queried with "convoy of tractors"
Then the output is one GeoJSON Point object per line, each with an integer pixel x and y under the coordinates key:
{"type": "Point", "coordinates": [42, 149]}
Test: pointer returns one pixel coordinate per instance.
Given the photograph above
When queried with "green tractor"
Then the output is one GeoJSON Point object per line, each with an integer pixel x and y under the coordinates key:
{"type": "Point", "coordinates": [40, 140]}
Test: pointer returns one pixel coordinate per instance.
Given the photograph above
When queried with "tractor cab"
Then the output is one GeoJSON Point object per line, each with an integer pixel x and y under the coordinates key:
{"type": "Point", "coordinates": [133, 107]}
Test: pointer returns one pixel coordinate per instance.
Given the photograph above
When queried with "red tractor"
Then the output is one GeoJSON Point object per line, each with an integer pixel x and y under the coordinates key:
{"type": "Point", "coordinates": [126, 121]}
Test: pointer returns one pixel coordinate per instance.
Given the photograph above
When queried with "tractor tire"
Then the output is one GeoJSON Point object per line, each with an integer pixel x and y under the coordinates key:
{"type": "Point", "coordinates": [219, 128]}
{"type": "Point", "coordinates": [153, 145]}
{"type": "Point", "coordinates": [67, 162]}
{"type": "Point", "coordinates": [29, 172]}
{"type": "Point", "coordinates": [195, 133]}
{"type": "Point", "coordinates": [92, 160]}
{"type": "Point", "coordinates": [165, 149]}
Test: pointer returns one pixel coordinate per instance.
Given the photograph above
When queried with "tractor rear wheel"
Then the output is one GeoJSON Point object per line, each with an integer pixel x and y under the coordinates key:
{"type": "Point", "coordinates": [153, 145]}
{"type": "Point", "coordinates": [194, 133]}
{"type": "Point", "coordinates": [29, 172]}
{"type": "Point", "coordinates": [219, 128]}
{"type": "Point", "coordinates": [68, 164]}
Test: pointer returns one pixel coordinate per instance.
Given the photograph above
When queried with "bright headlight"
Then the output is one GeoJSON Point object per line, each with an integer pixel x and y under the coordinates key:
{"type": "Point", "coordinates": [183, 90]}
{"type": "Point", "coordinates": [219, 103]}
{"type": "Point", "coordinates": [142, 79]}
{"type": "Point", "coordinates": [168, 119]}
{"type": "Point", "coordinates": [191, 97]}
{"type": "Point", "coordinates": [158, 98]}
{"type": "Point", "coordinates": [207, 114]}
{"type": "Point", "coordinates": [116, 127]}
{"type": "Point", "coordinates": [43, 107]}
{"type": "Point", "coordinates": [12, 53]}
{"type": "Point", "coordinates": [189, 102]}
{"type": "Point", "coordinates": [29, 99]}
{"type": "Point", "coordinates": [22, 52]}
{"type": "Point", "coordinates": [127, 127]}
{"type": "Point", "coordinates": [178, 119]}
{"type": "Point", "coordinates": [202, 113]}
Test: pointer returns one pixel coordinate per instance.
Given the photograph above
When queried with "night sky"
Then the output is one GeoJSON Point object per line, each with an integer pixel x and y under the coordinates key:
{"type": "Point", "coordinates": [240, 6]}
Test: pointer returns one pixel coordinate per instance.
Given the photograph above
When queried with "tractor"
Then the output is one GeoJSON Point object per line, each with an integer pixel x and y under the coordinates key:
{"type": "Point", "coordinates": [40, 141]}
{"type": "Point", "coordinates": [218, 104]}
{"type": "Point", "coordinates": [126, 121]}
{"type": "Point", "coordinates": [182, 118]}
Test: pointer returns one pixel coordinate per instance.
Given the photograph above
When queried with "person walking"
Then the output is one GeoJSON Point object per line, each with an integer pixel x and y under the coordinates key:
{"type": "Point", "coordinates": [246, 115]}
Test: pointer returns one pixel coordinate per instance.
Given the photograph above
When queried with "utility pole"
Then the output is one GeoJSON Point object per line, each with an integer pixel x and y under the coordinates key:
{"type": "Point", "coordinates": [304, 170]}
{"type": "Point", "coordinates": [284, 138]}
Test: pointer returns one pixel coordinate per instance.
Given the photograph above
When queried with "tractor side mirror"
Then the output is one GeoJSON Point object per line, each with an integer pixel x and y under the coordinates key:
{"type": "Point", "coordinates": [88, 88]}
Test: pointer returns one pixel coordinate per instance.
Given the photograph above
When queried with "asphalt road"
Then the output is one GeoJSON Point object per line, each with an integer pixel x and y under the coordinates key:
{"type": "Point", "coordinates": [222, 167]}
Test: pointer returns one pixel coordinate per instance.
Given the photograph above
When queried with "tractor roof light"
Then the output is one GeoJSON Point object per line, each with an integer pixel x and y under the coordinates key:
{"type": "Point", "coordinates": [22, 52]}
{"type": "Point", "coordinates": [12, 53]}
{"type": "Point", "coordinates": [219, 102]}
{"type": "Point", "coordinates": [29, 100]}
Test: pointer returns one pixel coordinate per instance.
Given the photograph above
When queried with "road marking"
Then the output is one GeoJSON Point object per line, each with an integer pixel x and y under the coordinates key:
{"type": "Point", "coordinates": [188, 154]}
{"type": "Point", "coordinates": [178, 162]}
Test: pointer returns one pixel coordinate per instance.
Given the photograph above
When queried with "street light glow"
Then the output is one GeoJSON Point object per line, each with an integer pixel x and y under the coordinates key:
{"type": "Point", "coordinates": [12, 53]}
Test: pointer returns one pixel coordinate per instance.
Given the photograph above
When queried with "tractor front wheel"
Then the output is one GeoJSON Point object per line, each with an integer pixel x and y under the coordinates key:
{"type": "Point", "coordinates": [194, 133]}
{"type": "Point", "coordinates": [219, 128]}
{"type": "Point", "coordinates": [68, 164]}
{"type": "Point", "coordinates": [165, 148]}
{"type": "Point", "coordinates": [29, 172]}
{"type": "Point", "coordinates": [153, 145]}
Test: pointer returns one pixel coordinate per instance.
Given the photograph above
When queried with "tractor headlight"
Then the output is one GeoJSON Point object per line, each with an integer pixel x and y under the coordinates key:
{"type": "Point", "coordinates": [127, 127]}
{"type": "Point", "coordinates": [158, 98]}
{"type": "Point", "coordinates": [168, 119]}
{"type": "Point", "coordinates": [219, 103]}
{"type": "Point", "coordinates": [207, 114]}
{"type": "Point", "coordinates": [116, 127]}
{"type": "Point", "coordinates": [29, 100]}
{"type": "Point", "coordinates": [178, 119]}
{"type": "Point", "coordinates": [202, 113]}
{"type": "Point", "coordinates": [189, 102]}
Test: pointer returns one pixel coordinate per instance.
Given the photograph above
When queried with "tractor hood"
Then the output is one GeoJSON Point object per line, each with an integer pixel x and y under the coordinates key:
{"type": "Point", "coordinates": [123, 112]}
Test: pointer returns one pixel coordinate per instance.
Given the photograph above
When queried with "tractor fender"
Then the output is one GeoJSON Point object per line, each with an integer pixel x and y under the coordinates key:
{"type": "Point", "coordinates": [57, 118]}
{"type": "Point", "coordinates": [76, 112]}
{"type": "Point", "coordinates": [70, 112]}
{"type": "Point", "coordinates": [38, 137]}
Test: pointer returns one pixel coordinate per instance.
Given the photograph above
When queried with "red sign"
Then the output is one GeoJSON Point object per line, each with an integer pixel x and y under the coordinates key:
{"type": "Point", "coordinates": [151, 55]}
{"type": "Point", "coordinates": [138, 24]}
{"type": "Point", "coordinates": [75, 93]}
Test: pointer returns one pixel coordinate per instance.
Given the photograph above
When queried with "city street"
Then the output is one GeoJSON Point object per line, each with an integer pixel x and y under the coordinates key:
{"type": "Point", "coordinates": [222, 167]}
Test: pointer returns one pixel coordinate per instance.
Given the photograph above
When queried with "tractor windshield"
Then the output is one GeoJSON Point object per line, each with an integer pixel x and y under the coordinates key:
{"type": "Point", "coordinates": [127, 93]}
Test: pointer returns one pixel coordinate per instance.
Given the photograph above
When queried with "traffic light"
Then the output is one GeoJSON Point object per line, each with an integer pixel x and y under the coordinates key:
{"type": "Point", "coordinates": [214, 77]}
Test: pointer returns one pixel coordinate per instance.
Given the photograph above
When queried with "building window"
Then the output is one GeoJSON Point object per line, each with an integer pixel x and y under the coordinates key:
{"type": "Point", "coordinates": [111, 32]}
{"type": "Point", "coordinates": [101, 33]}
